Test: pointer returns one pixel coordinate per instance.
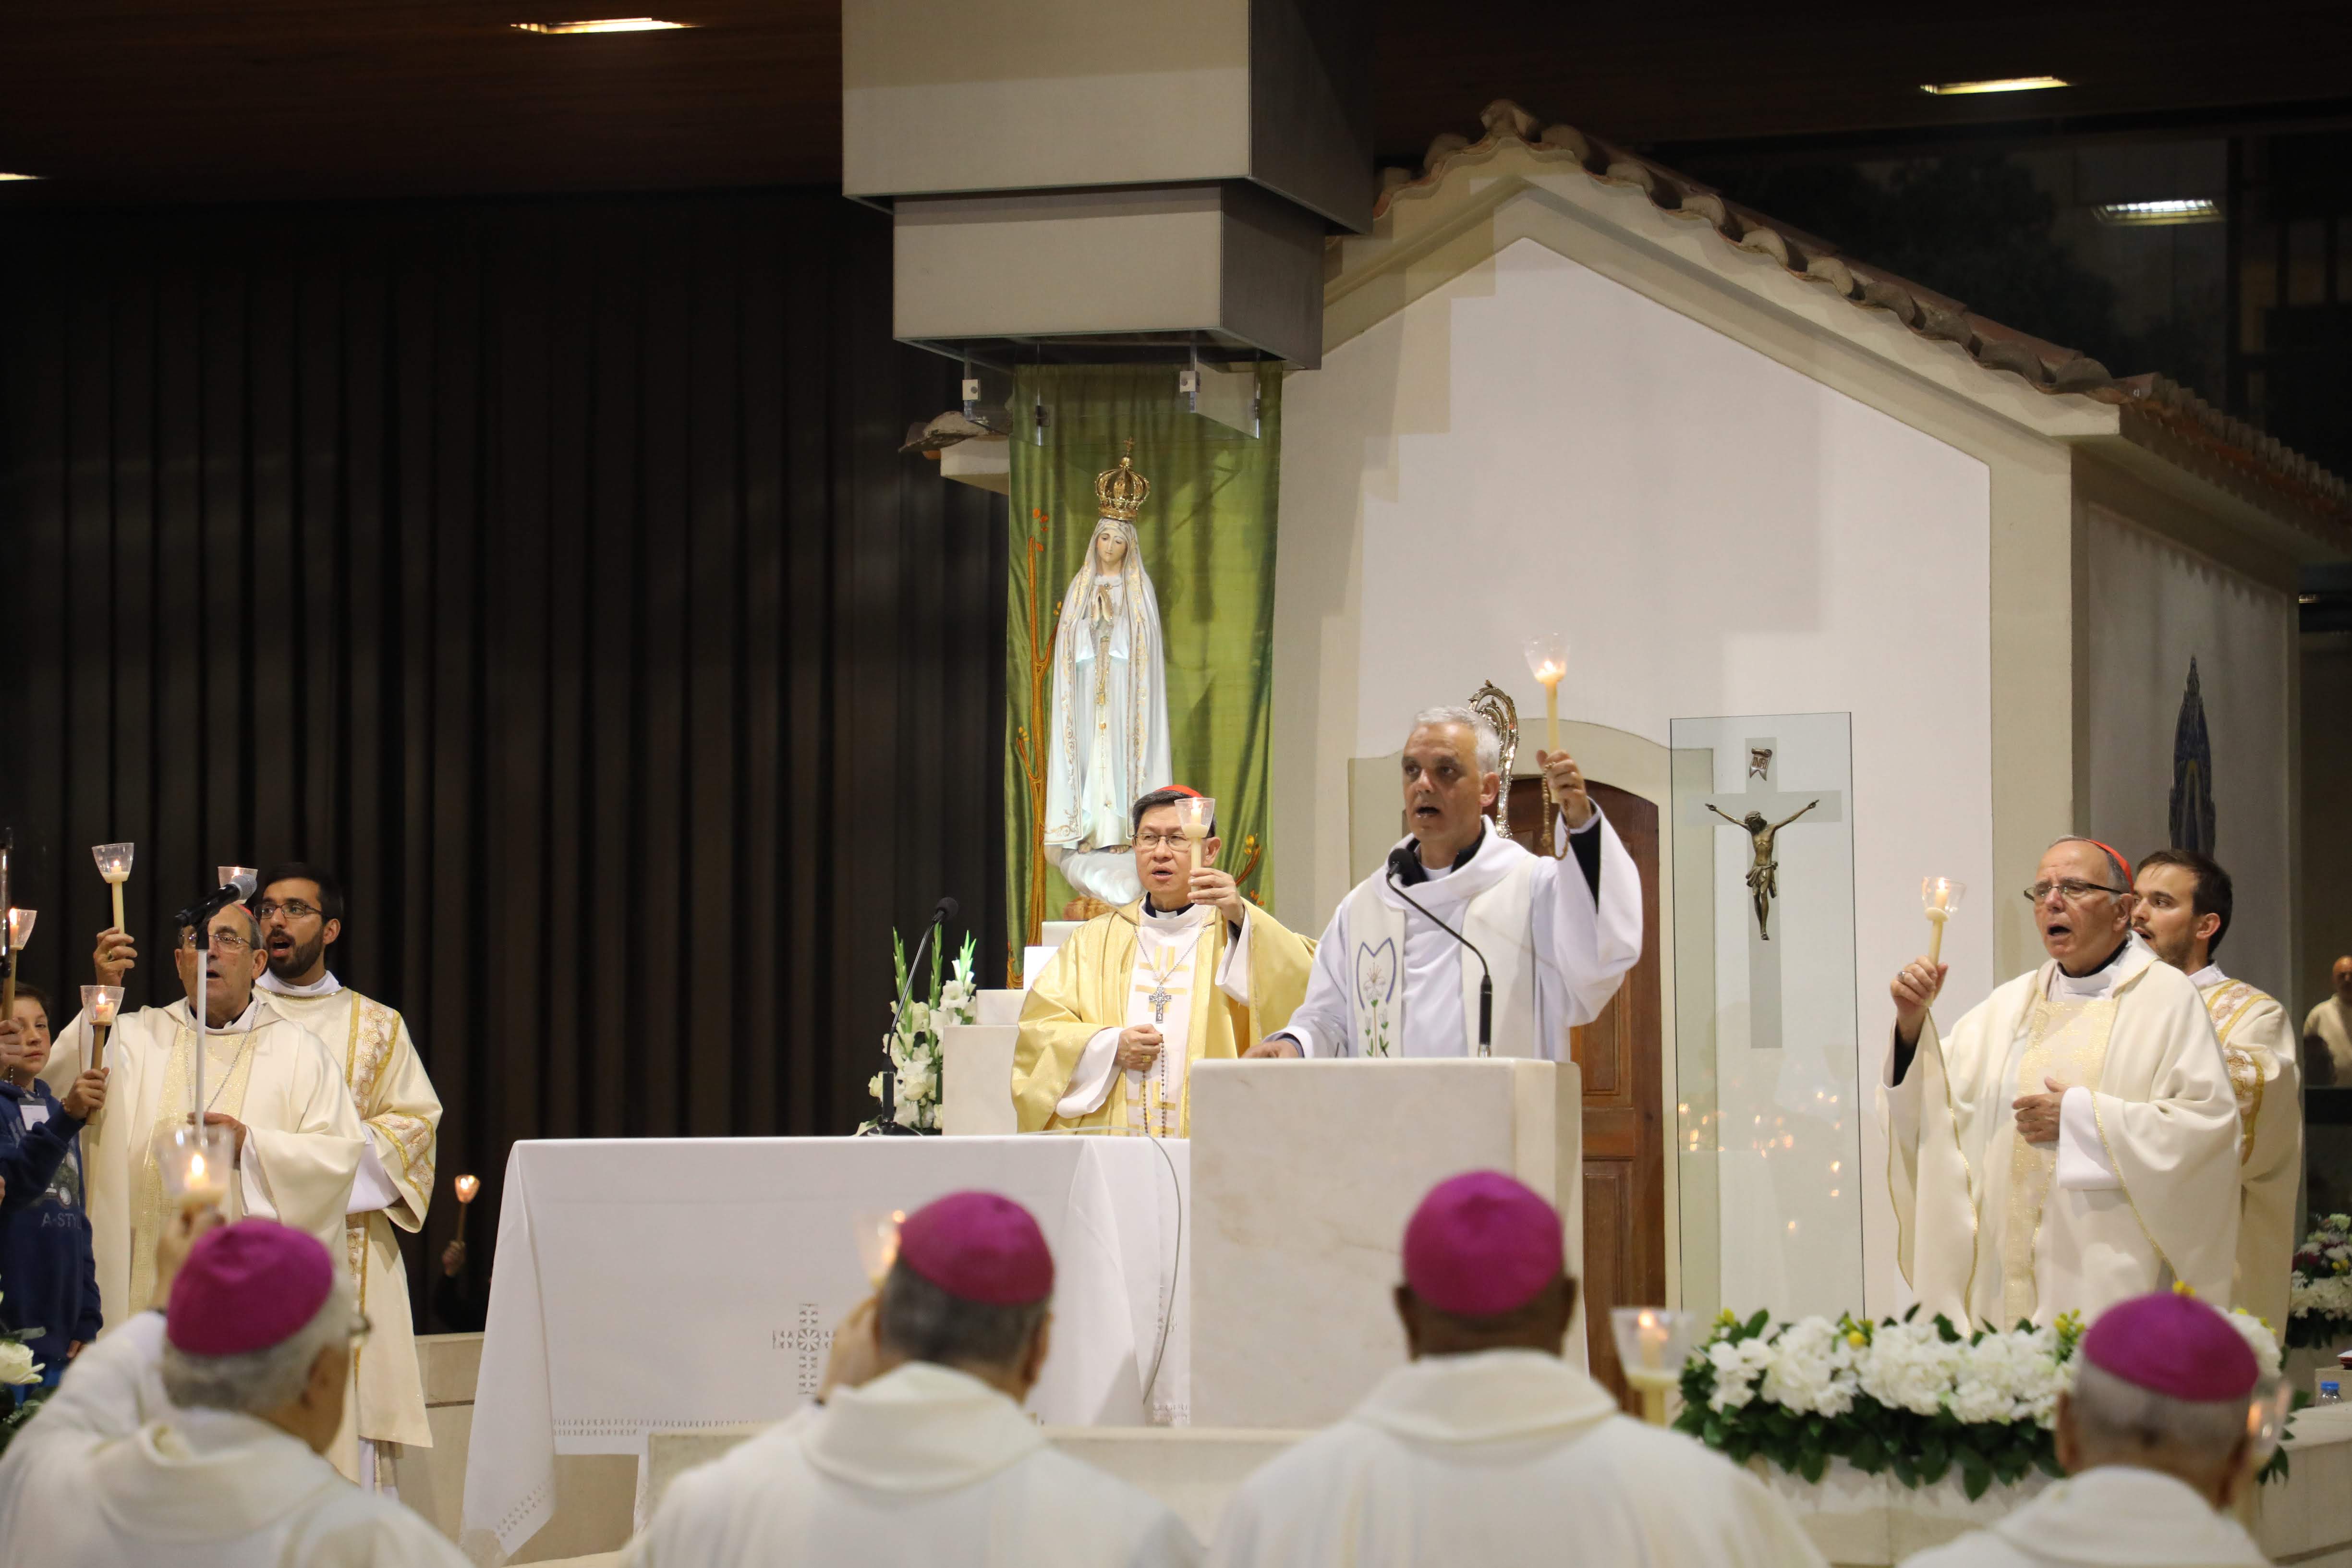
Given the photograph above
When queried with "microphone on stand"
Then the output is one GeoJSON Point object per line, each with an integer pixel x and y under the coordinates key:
{"type": "Point", "coordinates": [888, 1124]}
{"type": "Point", "coordinates": [213, 903]}
{"type": "Point", "coordinates": [1401, 861]}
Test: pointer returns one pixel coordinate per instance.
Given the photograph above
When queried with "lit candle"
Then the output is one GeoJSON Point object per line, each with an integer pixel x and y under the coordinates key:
{"type": "Point", "coordinates": [1194, 815]}
{"type": "Point", "coordinates": [1652, 1345]}
{"type": "Point", "coordinates": [468, 1186]}
{"type": "Point", "coordinates": [194, 1161]}
{"type": "Point", "coordinates": [99, 1003]}
{"type": "Point", "coordinates": [20, 931]}
{"type": "Point", "coordinates": [114, 868]}
{"type": "Point", "coordinates": [1548, 662]}
{"type": "Point", "coordinates": [1940, 896]}
{"type": "Point", "coordinates": [877, 1236]}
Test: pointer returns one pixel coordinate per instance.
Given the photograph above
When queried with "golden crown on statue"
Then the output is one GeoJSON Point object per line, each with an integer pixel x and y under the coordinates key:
{"type": "Point", "coordinates": [1122, 490]}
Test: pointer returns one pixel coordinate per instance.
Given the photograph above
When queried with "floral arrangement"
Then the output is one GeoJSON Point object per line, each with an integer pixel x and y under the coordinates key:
{"type": "Point", "coordinates": [1918, 1399]}
{"type": "Point", "coordinates": [2319, 1310]}
{"type": "Point", "coordinates": [914, 1048]}
{"type": "Point", "coordinates": [19, 1370]}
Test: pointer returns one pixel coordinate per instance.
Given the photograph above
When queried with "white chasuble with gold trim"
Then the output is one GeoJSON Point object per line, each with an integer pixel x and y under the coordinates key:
{"type": "Point", "coordinates": [2141, 1188]}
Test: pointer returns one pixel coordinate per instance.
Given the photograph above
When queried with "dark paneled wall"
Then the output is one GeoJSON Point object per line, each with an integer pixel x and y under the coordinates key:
{"type": "Point", "coordinates": [548, 568]}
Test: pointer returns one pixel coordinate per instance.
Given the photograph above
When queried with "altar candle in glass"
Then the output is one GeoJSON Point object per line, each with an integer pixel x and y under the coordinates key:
{"type": "Point", "coordinates": [468, 1186]}
{"type": "Point", "coordinates": [195, 1162]}
{"type": "Point", "coordinates": [1940, 896]}
{"type": "Point", "coordinates": [1548, 661]}
{"type": "Point", "coordinates": [1652, 1345]}
{"type": "Point", "coordinates": [99, 1003]}
{"type": "Point", "coordinates": [1194, 815]}
{"type": "Point", "coordinates": [114, 869]}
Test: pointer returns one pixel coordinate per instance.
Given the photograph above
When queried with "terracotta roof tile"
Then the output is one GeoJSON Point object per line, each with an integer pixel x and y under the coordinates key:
{"type": "Point", "coordinates": [2224, 449]}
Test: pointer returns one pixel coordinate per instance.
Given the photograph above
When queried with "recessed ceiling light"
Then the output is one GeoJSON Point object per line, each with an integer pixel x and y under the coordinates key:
{"type": "Point", "coordinates": [606, 25]}
{"type": "Point", "coordinates": [2177, 210]}
{"type": "Point", "coordinates": [4, 176]}
{"type": "Point", "coordinates": [1998, 84]}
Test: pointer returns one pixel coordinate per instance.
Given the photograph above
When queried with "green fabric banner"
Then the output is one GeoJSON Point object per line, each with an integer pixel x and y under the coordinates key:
{"type": "Point", "coordinates": [1208, 534]}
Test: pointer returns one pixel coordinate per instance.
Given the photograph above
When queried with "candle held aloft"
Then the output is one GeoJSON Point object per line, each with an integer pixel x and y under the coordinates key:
{"type": "Point", "coordinates": [100, 1005]}
{"type": "Point", "coordinates": [114, 869]}
{"type": "Point", "coordinates": [1196, 815]}
{"type": "Point", "coordinates": [1548, 662]}
{"type": "Point", "coordinates": [1940, 896]}
{"type": "Point", "coordinates": [466, 1186]}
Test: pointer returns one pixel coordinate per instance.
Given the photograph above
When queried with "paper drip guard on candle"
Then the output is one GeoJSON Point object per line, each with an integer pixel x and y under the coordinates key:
{"type": "Point", "coordinates": [1653, 1344]}
{"type": "Point", "coordinates": [1196, 815]}
{"type": "Point", "coordinates": [467, 1187]}
{"type": "Point", "coordinates": [113, 869]}
{"type": "Point", "coordinates": [196, 1164]}
{"type": "Point", "coordinates": [100, 1005]}
{"type": "Point", "coordinates": [1940, 896]}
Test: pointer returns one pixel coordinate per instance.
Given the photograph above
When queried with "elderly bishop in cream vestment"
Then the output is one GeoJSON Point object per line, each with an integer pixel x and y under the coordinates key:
{"type": "Point", "coordinates": [402, 1114]}
{"type": "Point", "coordinates": [2139, 1190]}
{"type": "Point", "coordinates": [302, 1146]}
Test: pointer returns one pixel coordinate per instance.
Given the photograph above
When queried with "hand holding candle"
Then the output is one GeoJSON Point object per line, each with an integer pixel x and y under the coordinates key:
{"type": "Point", "coordinates": [1940, 896]}
{"type": "Point", "coordinates": [114, 869]}
{"type": "Point", "coordinates": [99, 1003]}
{"type": "Point", "coordinates": [467, 1187]}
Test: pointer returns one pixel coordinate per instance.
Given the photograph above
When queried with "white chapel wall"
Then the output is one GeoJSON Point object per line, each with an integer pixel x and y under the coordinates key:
{"type": "Point", "coordinates": [2151, 606]}
{"type": "Point", "coordinates": [1534, 446]}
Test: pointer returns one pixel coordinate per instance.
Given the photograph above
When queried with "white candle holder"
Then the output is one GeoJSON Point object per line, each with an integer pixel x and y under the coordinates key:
{"type": "Point", "coordinates": [100, 1005]}
{"type": "Point", "coordinates": [1940, 896]}
{"type": "Point", "coordinates": [1196, 815]}
{"type": "Point", "coordinates": [196, 1164]}
{"type": "Point", "coordinates": [467, 1188]}
{"type": "Point", "coordinates": [1653, 1344]}
{"type": "Point", "coordinates": [113, 869]}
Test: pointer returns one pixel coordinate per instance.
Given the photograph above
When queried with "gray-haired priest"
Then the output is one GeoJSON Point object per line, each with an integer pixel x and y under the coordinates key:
{"type": "Point", "coordinates": [1558, 934]}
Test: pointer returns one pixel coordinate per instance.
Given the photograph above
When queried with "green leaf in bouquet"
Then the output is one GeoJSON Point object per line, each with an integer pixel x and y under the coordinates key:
{"type": "Point", "coordinates": [1812, 1463]}
{"type": "Point", "coordinates": [1757, 1324]}
{"type": "Point", "coordinates": [1975, 1478]}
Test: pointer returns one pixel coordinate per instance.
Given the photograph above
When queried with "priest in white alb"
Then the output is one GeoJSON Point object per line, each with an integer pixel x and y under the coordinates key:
{"type": "Point", "coordinates": [296, 1139]}
{"type": "Point", "coordinates": [1558, 934]}
{"type": "Point", "coordinates": [1127, 1004]}
{"type": "Point", "coordinates": [2181, 908]}
{"type": "Point", "coordinates": [2072, 1140]}
{"type": "Point", "coordinates": [300, 908]}
{"type": "Point", "coordinates": [918, 1453]}
{"type": "Point", "coordinates": [1487, 1447]}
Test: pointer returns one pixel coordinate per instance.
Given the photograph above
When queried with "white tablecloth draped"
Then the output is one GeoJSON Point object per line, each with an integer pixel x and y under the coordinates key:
{"type": "Point", "coordinates": [645, 1285]}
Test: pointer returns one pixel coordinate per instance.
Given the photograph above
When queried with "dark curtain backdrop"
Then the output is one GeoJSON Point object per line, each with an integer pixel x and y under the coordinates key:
{"type": "Point", "coordinates": [547, 568]}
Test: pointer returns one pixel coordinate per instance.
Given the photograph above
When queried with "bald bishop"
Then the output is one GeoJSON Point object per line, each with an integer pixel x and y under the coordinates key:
{"type": "Point", "coordinates": [2073, 1139]}
{"type": "Point", "coordinates": [1190, 971]}
{"type": "Point", "coordinates": [1557, 934]}
{"type": "Point", "coordinates": [267, 1078]}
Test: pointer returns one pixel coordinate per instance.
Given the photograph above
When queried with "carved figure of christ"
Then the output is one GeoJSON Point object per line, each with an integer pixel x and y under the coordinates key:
{"type": "Point", "coordinates": [1752, 812]}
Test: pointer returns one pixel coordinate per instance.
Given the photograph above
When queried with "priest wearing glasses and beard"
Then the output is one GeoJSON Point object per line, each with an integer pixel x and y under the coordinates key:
{"type": "Point", "coordinates": [1124, 1008]}
{"type": "Point", "coordinates": [2072, 1141]}
{"type": "Point", "coordinates": [267, 1078]}
{"type": "Point", "coordinates": [1558, 934]}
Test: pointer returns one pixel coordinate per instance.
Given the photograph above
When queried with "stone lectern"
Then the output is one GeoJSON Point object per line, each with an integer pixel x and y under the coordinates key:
{"type": "Point", "coordinates": [1304, 1173]}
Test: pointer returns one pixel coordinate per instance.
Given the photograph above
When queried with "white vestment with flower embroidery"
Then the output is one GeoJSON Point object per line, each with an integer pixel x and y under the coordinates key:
{"type": "Point", "coordinates": [2140, 1189]}
{"type": "Point", "coordinates": [302, 1145]}
{"type": "Point", "coordinates": [1500, 1458]}
{"type": "Point", "coordinates": [402, 1113]}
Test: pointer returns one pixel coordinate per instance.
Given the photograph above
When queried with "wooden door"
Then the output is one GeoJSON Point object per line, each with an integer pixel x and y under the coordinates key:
{"type": "Point", "coordinates": [1625, 1135]}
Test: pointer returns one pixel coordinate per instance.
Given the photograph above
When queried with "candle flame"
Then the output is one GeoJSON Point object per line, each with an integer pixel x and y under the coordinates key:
{"type": "Point", "coordinates": [196, 1168]}
{"type": "Point", "coordinates": [467, 1187]}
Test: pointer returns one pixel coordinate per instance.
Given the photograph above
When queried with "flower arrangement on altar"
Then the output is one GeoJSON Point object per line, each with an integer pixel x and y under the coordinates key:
{"type": "Point", "coordinates": [2319, 1310]}
{"type": "Point", "coordinates": [1916, 1399]}
{"type": "Point", "coordinates": [18, 1369]}
{"type": "Point", "coordinates": [914, 1048]}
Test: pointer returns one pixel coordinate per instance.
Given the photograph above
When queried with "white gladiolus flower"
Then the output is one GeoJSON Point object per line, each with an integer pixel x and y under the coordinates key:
{"type": "Point", "coordinates": [908, 1113]}
{"type": "Point", "coordinates": [917, 1019]}
{"type": "Point", "coordinates": [915, 1080]}
{"type": "Point", "coordinates": [17, 1365]}
{"type": "Point", "coordinates": [874, 1086]}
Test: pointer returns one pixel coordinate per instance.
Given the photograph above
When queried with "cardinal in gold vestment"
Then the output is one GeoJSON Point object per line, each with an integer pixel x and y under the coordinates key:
{"type": "Point", "coordinates": [1124, 1008]}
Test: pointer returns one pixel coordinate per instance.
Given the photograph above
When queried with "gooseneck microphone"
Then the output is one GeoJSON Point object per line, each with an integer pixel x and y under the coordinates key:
{"type": "Point", "coordinates": [888, 1122]}
{"type": "Point", "coordinates": [1401, 864]}
{"type": "Point", "coordinates": [196, 914]}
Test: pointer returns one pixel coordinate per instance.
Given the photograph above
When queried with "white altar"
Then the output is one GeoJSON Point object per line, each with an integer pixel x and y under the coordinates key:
{"type": "Point", "coordinates": [669, 1285]}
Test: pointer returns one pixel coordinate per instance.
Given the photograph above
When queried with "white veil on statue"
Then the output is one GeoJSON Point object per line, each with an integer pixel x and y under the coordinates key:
{"type": "Point", "coordinates": [1109, 733]}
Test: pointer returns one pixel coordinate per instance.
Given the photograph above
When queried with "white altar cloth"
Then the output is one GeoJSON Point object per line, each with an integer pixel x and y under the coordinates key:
{"type": "Point", "coordinates": [646, 1285]}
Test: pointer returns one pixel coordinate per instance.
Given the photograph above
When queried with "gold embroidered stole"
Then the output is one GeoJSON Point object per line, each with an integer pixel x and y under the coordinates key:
{"type": "Point", "coordinates": [224, 1053]}
{"type": "Point", "coordinates": [2227, 1004]}
{"type": "Point", "coordinates": [404, 1142]}
{"type": "Point", "coordinates": [2068, 1042]}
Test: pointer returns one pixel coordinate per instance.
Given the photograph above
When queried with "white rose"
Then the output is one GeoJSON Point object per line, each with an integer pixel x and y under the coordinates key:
{"type": "Point", "coordinates": [17, 1365]}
